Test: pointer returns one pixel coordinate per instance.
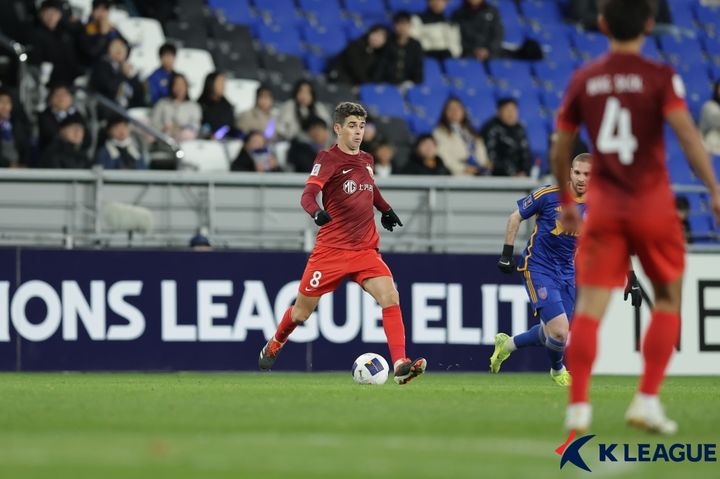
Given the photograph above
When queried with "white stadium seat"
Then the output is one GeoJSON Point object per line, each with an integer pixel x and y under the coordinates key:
{"type": "Point", "coordinates": [144, 60]}
{"type": "Point", "coordinates": [204, 155]}
{"type": "Point", "coordinates": [140, 113]}
{"type": "Point", "coordinates": [82, 8]}
{"type": "Point", "coordinates": [195, 64]}
{"type": "Point", "coordinates": [142, 31]}
{"type": "Point", "coordinates": [241, 93]}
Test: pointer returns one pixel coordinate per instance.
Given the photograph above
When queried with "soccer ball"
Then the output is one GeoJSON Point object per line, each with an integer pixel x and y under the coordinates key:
{"type": "Point", "coordinates": [370, 368]}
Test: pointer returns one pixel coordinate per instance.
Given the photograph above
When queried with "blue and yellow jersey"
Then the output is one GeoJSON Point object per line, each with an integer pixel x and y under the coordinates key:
{"type": "Point", "coordinates": [550, 250]}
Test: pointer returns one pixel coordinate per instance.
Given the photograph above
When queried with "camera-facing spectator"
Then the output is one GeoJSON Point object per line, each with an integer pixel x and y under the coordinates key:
{"type": "Point", "coordinates": [120, 151]}
{"type": "Point", "coordinates": [710, 121]}
{"type": "Point", "coordinates": [481, 29]}
{"type": "Point", "coordinates": [384, 155]}
{"type": "Point", "coordinates": [218, 114]}
{"type": "Point", "coordinates": [116, 79]}
{"type": "Point", "coordinates": [424, 159]}
{"type": "Point", "coordinates": [302, 152]}
{"type": "Point", "coordinates": [402, 61]}
{"type": "Point", "coordinates": [66, 151]}
{"type": "Point", "coordinates": [360, 61]}
{"type": "Point", "coordinates": [463, 151]}
{"type": "Point", "coordinates": [261, 117]}
{"type": "Point", "coordinates": [298, 109]}
{"type": "Point", "coordinates": [439, 38]}
{"type": "Point", "coordinates": [506, 141]}
{"type": "Point", "coordinates": [60, 104]}
{"type": "Point", "coordinates": [255, 155]}
{"type": "Point", "coordinates": [15, 137]}
{"type": "Point", "coordinates": [54, 46]}
{"type": "Point", "coordinates": [99, 32]}
{"type": "Point", "coordinates": [158, 83]}
{"type": "Point", "coordinates": [176, 115]}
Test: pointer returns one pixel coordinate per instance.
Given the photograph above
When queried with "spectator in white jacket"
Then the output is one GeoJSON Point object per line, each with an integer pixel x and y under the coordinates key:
{"type": "Point", "coordinates": [463, 151]}
{"type": "Point", "coordinates": [438, 36]}
{"type": "Point", "coordinates": [176, 115]}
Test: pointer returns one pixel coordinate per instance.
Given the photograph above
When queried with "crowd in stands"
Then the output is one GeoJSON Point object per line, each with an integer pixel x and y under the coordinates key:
{"type": "Point", "coordinates": [394, 51]}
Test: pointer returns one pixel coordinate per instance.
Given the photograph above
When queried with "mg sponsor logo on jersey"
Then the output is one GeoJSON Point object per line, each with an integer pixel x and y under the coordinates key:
{"type": "Point", "coordinates": [570, 452]}
{"type": "Point", "coordinates": [350, 187]}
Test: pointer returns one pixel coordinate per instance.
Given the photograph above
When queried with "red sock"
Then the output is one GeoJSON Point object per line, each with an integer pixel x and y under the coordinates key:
{"type": "Point", "coordinates": [286, 326]}
{"type": "Point", "coordinates": [581, 352]}
{"type": "Point", "coordinates": [394, 331]}
{"type": "Point", "coordinates": [657, 349]}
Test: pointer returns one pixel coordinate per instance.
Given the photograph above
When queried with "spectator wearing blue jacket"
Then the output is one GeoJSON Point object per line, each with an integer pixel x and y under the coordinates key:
{"type": "Point", "coordinates": [120, 151]}
{"type": "Point", "coordinates": [158, 83]}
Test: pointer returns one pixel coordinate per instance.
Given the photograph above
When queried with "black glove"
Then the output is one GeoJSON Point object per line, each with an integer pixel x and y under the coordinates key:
{"type": "Point", "coordinates": [390, 220]}
{"type": "Point", "coordinates": [632, 289]}
{"type": "Point", "coordinates": [506, 263]}
{"type": "Point", "coordinates": [322, 217]}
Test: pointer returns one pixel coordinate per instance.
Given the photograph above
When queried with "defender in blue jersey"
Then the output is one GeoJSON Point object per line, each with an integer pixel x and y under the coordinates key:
{"type": "Point", "coordinates": [548, 269]}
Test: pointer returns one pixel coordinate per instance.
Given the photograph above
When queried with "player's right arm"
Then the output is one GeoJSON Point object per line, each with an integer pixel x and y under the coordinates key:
{"type": "Point", "coordinates": [681, 122]}
{"type": "Point", "coordinates": [322, 170]}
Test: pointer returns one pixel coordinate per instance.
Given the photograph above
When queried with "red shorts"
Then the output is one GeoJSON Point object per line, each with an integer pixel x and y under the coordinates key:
{"type": "Point", "coordinates": [327, 267]}
{"type": "Point", "coordinates": [606, 243]}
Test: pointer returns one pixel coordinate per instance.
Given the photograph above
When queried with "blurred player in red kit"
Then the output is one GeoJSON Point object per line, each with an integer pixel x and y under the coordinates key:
{"type": "Point", "coordinates": [347, 242]}
{"type": "Point", "coordinates": [623, 100]}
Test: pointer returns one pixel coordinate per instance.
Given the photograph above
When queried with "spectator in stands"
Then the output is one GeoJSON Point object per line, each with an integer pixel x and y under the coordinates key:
{"type": "Point", "coordinates": [424, 159]}
{"type": "Point", "coordinates": [54, 46]}
{"type": "Point", "coordinates": [116, 79]}
{"type": "Point", "coordinates": [200, 242]}
{"type": "Point", "coordinates": [481, 29]}
{"type": "Point", "coordinates": [586, 13]}
{"type": "Point", "coordinates": [60, 104]}
{"type": "Point", "coordinates": [384, 156]}
{"type": "Point", "coordinates": [463, 150]}
{"type": "Point", "coordinates": [66, 150]}
{"type": "Point", "coordinates": [158, 83]}
{"type": "Point", "coordinates": [710, 121]}
{"type": "Point", "coordinates": [439, 38]}
{"type": "Point", "coordinates": [218, 114]}
{"type": "Point", "coordinates": [120, 151]}
{"type": "Point", "coordinates": [298, 109]}
{"type": "Point", "coordinates": [359, 62]}
{"type": "Point", "coordinates": [371, 139]}
{"type": "Point", "coordinates": [402, 61]}
{"type": "Point", "coordinates": [255, 155]}
{"type": "Point", "coordinates": [262, 116]}
{"type": "Point", "coordinates": [506, 141]}
{"type": "Point", "coordinates": [99, 32]}
{"type": "Point", "coordinates": [15, 136]}
{"type": "Point", "coordinates": [302, 153]}
{"type": "Point", "coordinates": [176, 115]}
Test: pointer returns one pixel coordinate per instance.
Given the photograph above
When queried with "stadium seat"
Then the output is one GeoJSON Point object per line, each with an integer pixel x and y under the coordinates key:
{"type": "Point", "coordinates": [195, 65]}
{"type": "Point", "coordinates": [553, 75]}
{"type": "Point", "coordinates": [383, 99]}
{"type": "Point", "coordinates": [538, 136]}
{"type": "Point", "coordinates": [480, 104]}
{"type": "Point", "coordinates": [432, 73]}
{"type": "Point", "coordinates": [701, 227]}
{"type": "Point", "coordinates": [514, 31]}
{"type": "Point", "coordinates": [366, 8]}
{"type": "Point", "coordinates": [117, 15]}
{"type": "Point", "coordinates": [393, 129]}
{"type": "Point", "coordinates": [241, 93]}
{"type": "Point", "coordinates": [282, 13]}
{"type": "Point", "coordinates": [144, 60]}
{"type": "Point", "coordinates": [464, 72]}
{"type": "Point", "coordinates": [325, 41]}
{"type": "Point", "coordinates": [204, 155]}
{"type": "Point", "coordinates": [590, 45]}
{"type": "Point", "coordinates": [682, 15]}
{"type": "Point", "coordinates": [282, 68]}
{"type": "Point", "coordinates": [142, 31]}
{"type": "Point", "coordinates": [232, 148]}
{"type": "Point", "coordinates": [542, 12]}
{"type": "Point", "coordinates": [680, 49]}
{"type": "Point", "coordinates": [281, 39]}
{"type": "Point", "coordinates": [322, 12]}
{"type": "Point", "coordinates": [187, 34]}
{"type": "Point", "coordinates": [421, 125]}
{"type": "Point", "coordinates": [708, 16]}
{"type": "Point", "coordinates": [237, 12]}
{"type": "Point", "coordinates": [512, 74]}
{"type": "Point", "coordinates": [334, 93]}
{"type": "Point", "coordinates": [140, 114]}
{"type": "Point", "coordinates": [83, 8]}
{"type": "Point", "coordinates": [411, 6]}
{"type": "Point", "coordinates": [551, 99]}
{"type": "Point", "coordinates": [427, 102]}
{"type": "Point", "coordinates": [355, 29]}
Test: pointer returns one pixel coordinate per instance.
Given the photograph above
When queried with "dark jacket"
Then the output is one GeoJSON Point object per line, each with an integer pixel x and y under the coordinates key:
{"type": "Point", "coordinates": [357, 63]}
{"type": "Point", "coordinates": [107, 79]}
{"type": "Point", "coordinates": [49, 126]}
{"type": "Point", "coordinates": [416, 166]}
{"type": "Point", "coordinates": [61, 154]}
{"type": "Point", "coordinates": [94, 44]}
{"type": "Point", "coordinates": [507, 147]}
{"type": "Point", "coordinates": [301, 156]}
{"type": "Point", "coordinates": [401, 63]}
{"type": "Point", "coordinates": [216, 114]}
{"type": "Point", "coordinates": [112, 157]}
{"type": "Point", "coordinates": [479, 28]}
{"type": "Point", "coordinates": [58, 47]}
{"type": "Point", "coordinates": [20, 140]}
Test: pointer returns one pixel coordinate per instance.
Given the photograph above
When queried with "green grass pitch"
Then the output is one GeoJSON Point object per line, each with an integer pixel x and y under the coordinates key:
{"type": "Point", "coordinates": [324, 426]}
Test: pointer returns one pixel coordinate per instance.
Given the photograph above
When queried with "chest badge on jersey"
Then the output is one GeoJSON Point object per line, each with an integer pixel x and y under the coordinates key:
{"type": "Point", "coordinates": [542, 292]}
{"type": "Point", "coordinates": [349, 187]}
{"type": "Point", "coordinates": [370, 170]}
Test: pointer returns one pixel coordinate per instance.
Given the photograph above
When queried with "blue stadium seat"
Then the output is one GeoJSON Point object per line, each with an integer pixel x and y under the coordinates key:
{"type": "Point", "coordinates": [421, 125]}
{"type": "Point", "coordinates": [551, 99]}
{"type": "Point", "coordinates": [451, 6]}
{"type": "Point", "coordinates": [553, 75]}
{"type": "Point", "coordinates": [708, 16]}
{"type": "Point", "coordinates": [679, 48]}
{"type": "Point", "coordinates": [285, 39]}
{"type": "Point", "coordinates": [701, 228]}
{"type": "Point", "coordinates": [512, 74]}
{"type": "Point", "coordinates": [466, 72]}
{"type": "Point", "coordinates": [322, 12]}
{"type": "Point", "coordinates": [411, 6]}
{"type": "Point", "coordinates": [651, 51]}
{"type": "Point", "coordinates": [514, 32]}
{"type": "Point", "coordinates": [542, 12]}
{"type": "Point", "coordinates": [324, 41]}
{"type": "Point", "coordinates": [279, 12]}
{"type": "Point", "coordinates": [712, 47]}
{"type": "Point", "coordinates": [237, 12]}
{"type": "Point", "coordinates": [383, 99]}
{"type": "Point", "coordinates": [315, 63]}
{"type": "Point", "coordinates": [682, 16]}
{"type": "Point", "coordinates": [432, 73]}
{"type": "Point", "coordinates": [698, 87]}
{"type": "Point", "coordinates": [555, 42]}
{"type": "Point", "coordinates": [590, 45]}
{"type": "Point", "coordinates": [355, 29]}
{"type": "Point", "coordinates": [480, 104]}
{"type": "Point", "coordinates": [366, 8]}
{"type": "Point", "coordinates": [428, 101]}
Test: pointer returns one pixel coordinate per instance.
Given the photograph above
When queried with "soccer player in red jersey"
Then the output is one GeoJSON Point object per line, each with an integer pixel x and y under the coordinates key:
{"type": "Point", "coordinates": [347, 242]}
{"type": "Point", "coordinates": [623, 99]}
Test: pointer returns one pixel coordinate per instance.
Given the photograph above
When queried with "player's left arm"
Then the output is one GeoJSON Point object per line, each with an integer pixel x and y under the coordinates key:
{"type": "Point", "coordinates": [389, 218]}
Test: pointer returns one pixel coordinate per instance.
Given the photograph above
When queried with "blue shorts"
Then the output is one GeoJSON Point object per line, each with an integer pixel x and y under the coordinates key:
{"type": "Point", "coordinates": [549, 295]}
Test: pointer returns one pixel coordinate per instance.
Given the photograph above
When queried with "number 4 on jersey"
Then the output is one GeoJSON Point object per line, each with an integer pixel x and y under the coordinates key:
{"type": "Point", "coordinates": [615, 134]}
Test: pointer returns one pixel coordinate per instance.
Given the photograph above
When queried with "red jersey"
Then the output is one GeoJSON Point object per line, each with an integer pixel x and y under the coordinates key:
{"type": "Point", "coordinates": [348, 187]}
{"type": "Point", "coordinates": [623, 99]}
